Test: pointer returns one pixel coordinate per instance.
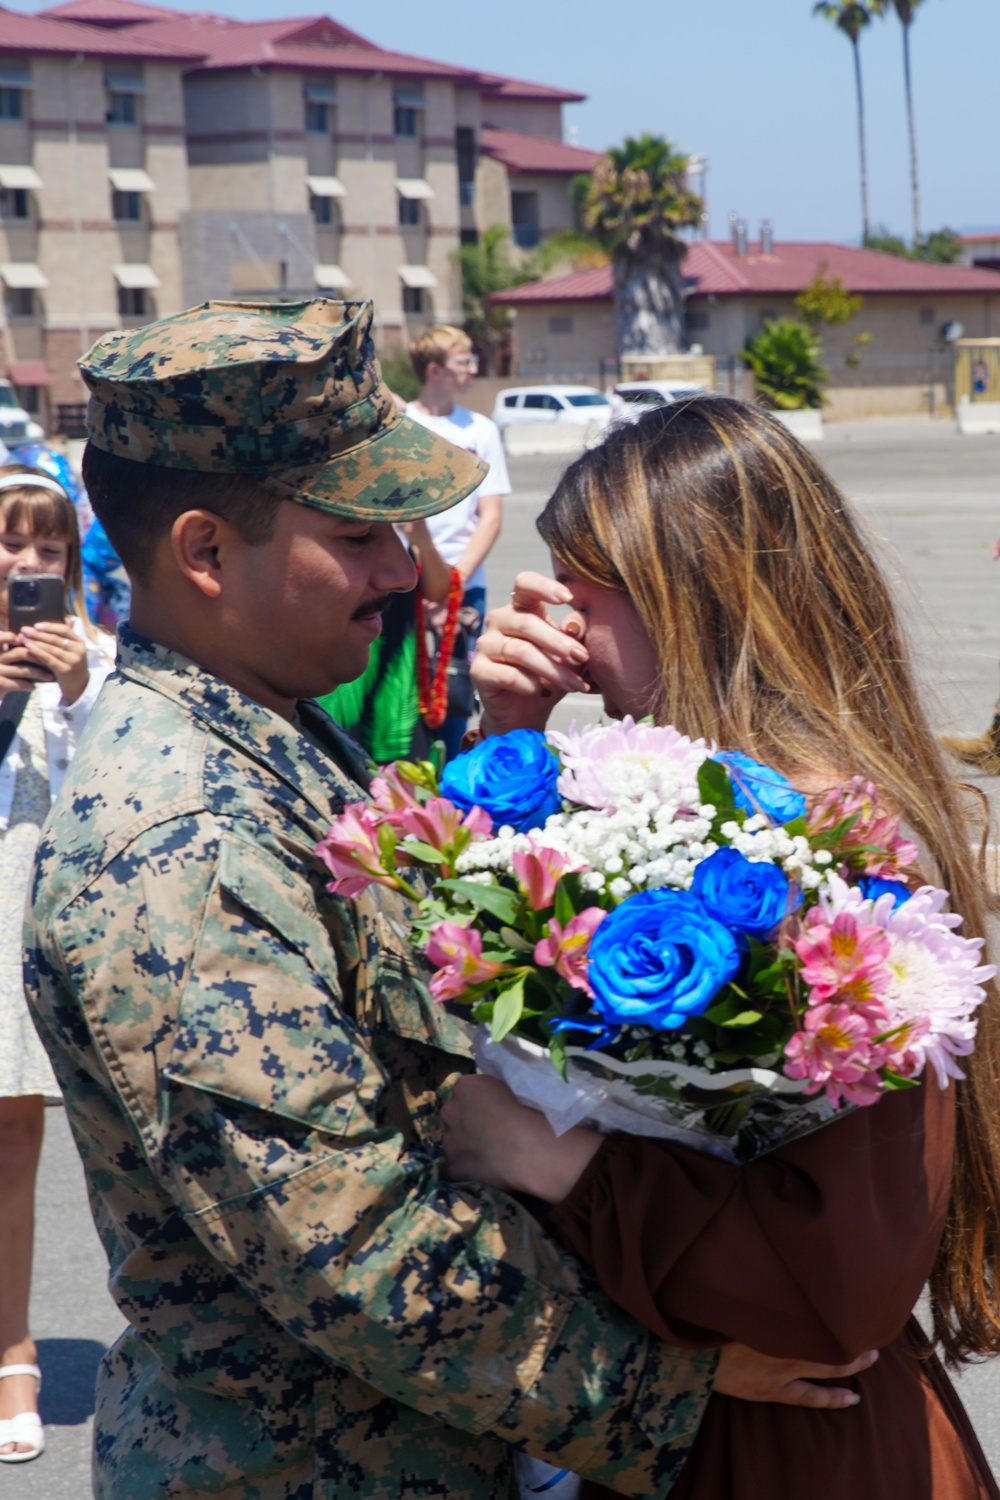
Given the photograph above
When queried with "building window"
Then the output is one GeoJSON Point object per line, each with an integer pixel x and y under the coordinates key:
{"type": "Point", "coordinates": [13, 203]}
{"type": "Point", "coordinates": [131, 302]}
{"type": "Point", "coordinates": [11, 104]}
{"type": "Point", "coordinates": [561, 323]}
{"type": "Point", "coordinates": [697, 322]}
{"type": "Point", "coordinates": [322, 211]}
{"type": "Point", "coordinates": [468, 236]}
{"type": "Point", "coordinates": [21, 302]}
{"type": "Point", "coordinates": [29, 398]}
{"type": "Point", "coordinates": [524, 217]}
{"type": "Point", "coordinates": [122, 108]}
{"type": "Point", "coordinates": [465, 160]}
{"type": "Point", "coordinates": [409, 212]}
{"type": "Point", "coordinates": [317, 118]}
{"type": "Point", "coordinates": [126, 208]}
{"type": "Point", "coordinates": [927, 317]}
{"type": "Point", "coordinates": [404, 120]}
{"type": "Point", "coordinates": [413, 299]}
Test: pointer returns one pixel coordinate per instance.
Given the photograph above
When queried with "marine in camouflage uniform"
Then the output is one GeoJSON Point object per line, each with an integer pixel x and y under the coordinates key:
{"type": "Point", "coordinates": [253, 1067]}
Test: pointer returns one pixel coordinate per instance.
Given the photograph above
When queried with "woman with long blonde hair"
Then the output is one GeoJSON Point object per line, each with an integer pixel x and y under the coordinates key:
{"type": "Point", "coordinates": [721, 583]}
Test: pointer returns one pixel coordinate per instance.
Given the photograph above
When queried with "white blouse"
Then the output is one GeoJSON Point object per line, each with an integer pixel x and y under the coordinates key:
{"type": "Point", "coordinates": [64, 723]}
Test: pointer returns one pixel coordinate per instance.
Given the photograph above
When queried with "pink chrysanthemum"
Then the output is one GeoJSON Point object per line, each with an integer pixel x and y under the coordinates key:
{"type": "Point", "coordinates": [606, 765]}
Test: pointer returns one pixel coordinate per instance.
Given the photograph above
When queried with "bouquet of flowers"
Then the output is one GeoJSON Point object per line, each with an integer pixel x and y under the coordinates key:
{"type": "Point", "coordinates": [664, 939]}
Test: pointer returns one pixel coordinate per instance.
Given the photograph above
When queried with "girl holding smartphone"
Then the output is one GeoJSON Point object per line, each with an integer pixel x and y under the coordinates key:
{"type": "Point", "coordinates": [61, 665]}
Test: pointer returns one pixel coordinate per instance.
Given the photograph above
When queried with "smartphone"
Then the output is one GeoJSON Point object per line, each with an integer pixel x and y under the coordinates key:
{"type": "Point", "coordinates": [32, 597]}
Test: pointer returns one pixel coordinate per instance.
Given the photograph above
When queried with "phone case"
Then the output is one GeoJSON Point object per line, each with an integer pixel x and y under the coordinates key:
{"type": "Point", "coordinates": [32, 597]}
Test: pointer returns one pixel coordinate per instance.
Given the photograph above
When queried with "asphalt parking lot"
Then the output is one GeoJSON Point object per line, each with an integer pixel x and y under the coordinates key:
{"type": "Point", "coordinates": [932, 502]}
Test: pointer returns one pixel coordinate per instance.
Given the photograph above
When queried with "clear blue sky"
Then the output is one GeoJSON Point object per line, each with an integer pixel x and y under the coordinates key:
{"type": "Point", "coordinates": [761, 86]}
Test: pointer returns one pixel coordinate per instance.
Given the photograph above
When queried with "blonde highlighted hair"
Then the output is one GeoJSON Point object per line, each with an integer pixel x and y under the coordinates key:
{"type": "Point", "coordinates": [434, 346]}
{"type": "Point", "coordinates": [777, 636]}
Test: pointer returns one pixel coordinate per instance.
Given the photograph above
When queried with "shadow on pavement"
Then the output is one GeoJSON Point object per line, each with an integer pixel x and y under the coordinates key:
{"type": "Point", "coordinates": [69, 1373]}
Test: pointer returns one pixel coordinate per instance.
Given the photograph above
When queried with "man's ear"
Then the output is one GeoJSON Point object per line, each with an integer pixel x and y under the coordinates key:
{"type": "Point", "coordinates": [199, 540]}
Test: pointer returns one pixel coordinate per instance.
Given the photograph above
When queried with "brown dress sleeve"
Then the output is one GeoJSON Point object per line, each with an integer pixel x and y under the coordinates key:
{"type": "Point", "coordinates": [818, 1250]}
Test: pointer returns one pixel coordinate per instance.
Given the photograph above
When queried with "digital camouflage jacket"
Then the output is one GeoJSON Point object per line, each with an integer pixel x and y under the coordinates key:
{"type": "Point", "coordinates": [253, 1071]}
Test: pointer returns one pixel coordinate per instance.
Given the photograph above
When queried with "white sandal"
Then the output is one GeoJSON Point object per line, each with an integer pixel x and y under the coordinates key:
{"type": "Point", "coordinates": [26, 1427]}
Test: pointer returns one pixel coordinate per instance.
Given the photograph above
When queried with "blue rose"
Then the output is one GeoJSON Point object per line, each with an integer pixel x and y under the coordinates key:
{"type": "Point", "coordinates": [759, 789]}
{"type": "Point", "coordinates": [873, 886]}
{"type": "Point", "coordinates": [746, 897]}
{"type": "Point", "coordinates": [513, 776]}
{"type": "Point", "coordinates": [658, 959]}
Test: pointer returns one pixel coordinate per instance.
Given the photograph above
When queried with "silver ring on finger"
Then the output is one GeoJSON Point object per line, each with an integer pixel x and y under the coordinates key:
{"type": "Point", "coordinates": [503, 648]}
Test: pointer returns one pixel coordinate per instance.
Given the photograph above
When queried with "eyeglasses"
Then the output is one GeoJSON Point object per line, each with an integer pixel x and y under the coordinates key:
{"type": "Point", "coordinates": [466, 361]}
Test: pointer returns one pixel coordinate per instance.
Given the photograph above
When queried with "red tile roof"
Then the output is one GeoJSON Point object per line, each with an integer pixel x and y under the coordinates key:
{"type": "Point", "coordinates": [107, 12]}
{"type": "Point", "coordinates": [314, 42]}
{"type": "Point", "coordinates": [532, 153]}
{"type": "Point", "coordinates": [495, 86]}
{"type": "Point", "coordinates": [712, 268]}
{"type": "Point", "coordinates": [21, 33]}
{"type": "Point", "coordinates": [980, 239]}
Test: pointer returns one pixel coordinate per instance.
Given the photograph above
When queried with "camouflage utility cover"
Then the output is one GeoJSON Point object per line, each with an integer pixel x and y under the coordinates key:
{"type": "Point", "coordinates": [289, 394]}
{"type": "Point", "coordinates": [253, 1071]}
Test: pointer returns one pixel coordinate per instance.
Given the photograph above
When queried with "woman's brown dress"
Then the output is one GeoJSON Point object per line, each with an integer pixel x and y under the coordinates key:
{"type": "Point", "coordinates": [817, 1251]}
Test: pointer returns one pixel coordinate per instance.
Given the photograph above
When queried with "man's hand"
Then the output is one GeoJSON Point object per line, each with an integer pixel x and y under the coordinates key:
{"type": "Point", "coordinates": [751, 1376]}
{"type": "Point", "coordinates": [996, 550]}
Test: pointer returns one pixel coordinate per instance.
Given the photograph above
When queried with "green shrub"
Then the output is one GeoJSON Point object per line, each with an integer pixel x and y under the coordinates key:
{"type": "Point", "coordinates": [397, 372]}
{"type": "Point", "coordinates": [784, 358]}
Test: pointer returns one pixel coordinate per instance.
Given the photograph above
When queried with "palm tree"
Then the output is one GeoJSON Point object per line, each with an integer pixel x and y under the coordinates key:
{"type": "Point", "coordinates": [851, 17]}
{"type": "Point", "coordinates": [637, 203]}
{"type": "Point", "coordinates": [906, 10]}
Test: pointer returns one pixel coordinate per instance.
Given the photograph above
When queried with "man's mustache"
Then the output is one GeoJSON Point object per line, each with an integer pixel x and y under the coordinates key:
{"type": "Point", "coordinates": [373, 607]}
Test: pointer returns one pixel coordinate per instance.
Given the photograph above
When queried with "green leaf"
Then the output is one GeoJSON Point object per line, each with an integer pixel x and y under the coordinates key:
{"type": "Point", "coordinates": [495, 899]}
{"type": "Point", "coordinates": [745, 1018]}
{"type": "Point", "coordinates": [507, 1008]}
{"type": "Point", "coordinates": [557, 1052]}
{"type": "Point", "coordinates": [416, 849]}
{"type": "Point", "coordinates": [564, 911]}
{"type": "Point", "coordinates": [897, 1081]}
{"type": "Point", "coordinates": [515, 940]}
{"type": "Point", "coordinates": [714, 786]}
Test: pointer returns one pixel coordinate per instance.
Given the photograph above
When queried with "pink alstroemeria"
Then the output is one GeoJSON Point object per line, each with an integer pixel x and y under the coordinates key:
{"type": "Point", "coordinates": [837, 1052]}
{"type": "Point", "coordinates": [350, 851]}
{"type": "Point", "coordinates": [872, 825]}
{"type": "Point", "coordinates": [842, 958]}
{"type": "Point", "coordinates": [567, 949]}
{"type": "Point", "coordinates": [539, 872]}
{"type": "Point", "coordinates": [392, 795]}
{"type": "Point", "coordinates": [438, 822]}
{"type": "Point", "coordinates": [457, 954]}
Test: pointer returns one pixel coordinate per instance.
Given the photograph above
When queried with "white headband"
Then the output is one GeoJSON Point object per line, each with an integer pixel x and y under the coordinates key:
{"type": "Point", "coordinates": [32, 482]}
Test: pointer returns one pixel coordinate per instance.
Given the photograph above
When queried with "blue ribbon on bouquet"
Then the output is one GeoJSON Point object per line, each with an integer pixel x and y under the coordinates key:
{"type": "Point", "coordinates": [602, 1032]}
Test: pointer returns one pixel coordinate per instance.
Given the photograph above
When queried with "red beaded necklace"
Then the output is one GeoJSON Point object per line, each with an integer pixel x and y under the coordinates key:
{"type": "Point", "coordinates": [432, 697]}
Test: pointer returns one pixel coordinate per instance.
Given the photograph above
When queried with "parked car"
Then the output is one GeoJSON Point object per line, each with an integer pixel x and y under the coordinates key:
{"type": "Point", "coordinates": [551, 403]}
{"type": "Point", "coordinates": [16, 426]}
{"type": "Point", "coordinates": [630, 398]}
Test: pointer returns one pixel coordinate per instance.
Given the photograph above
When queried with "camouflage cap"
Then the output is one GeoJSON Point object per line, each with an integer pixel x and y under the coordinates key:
{"type": "Point", "coordinates": [289, 394]}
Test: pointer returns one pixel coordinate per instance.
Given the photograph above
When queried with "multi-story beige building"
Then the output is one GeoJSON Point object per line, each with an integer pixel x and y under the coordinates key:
{"type": "Point", "coordinates": [151, 159]}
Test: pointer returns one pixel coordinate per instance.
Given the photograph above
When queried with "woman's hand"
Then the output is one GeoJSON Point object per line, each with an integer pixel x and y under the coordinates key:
{"type": "Point", "coordinates": [54, 644]}
{"type": "Point", "coordinates": [524, 661]}
{"type": "Point", "coordinates": [490, 1138]}
{"type": "Point", "coordinates": [18, 673]}
{"type": "Point", "coordinates": [752, 1376]}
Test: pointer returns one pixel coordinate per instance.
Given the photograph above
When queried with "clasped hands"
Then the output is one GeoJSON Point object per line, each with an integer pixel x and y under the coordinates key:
{"type": "Point", "coordinates": [490, 1138]}
{"type": "Point", "coordinates": [46, 652]}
